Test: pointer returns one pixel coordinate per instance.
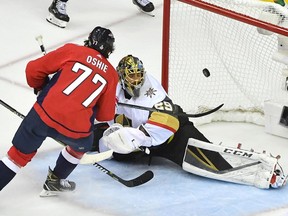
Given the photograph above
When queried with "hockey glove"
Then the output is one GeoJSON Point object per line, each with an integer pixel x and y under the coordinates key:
{"type": "Point", "coordinates": [124, 140]}
{"type": "Point", "coordinates": [37, 91]}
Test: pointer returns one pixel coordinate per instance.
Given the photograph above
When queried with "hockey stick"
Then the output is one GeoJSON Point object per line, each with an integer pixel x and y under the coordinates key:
{"type": "Point", "coordinates": [180, 114]}
{"type": "Point", "coordinates": [87, 159]}
{"type": "Point", "coordinates": [12, 109]}
{"type": "Point", "coordinates": [41, 45]}
{"type": "Point", "coordinates": [142, 179]}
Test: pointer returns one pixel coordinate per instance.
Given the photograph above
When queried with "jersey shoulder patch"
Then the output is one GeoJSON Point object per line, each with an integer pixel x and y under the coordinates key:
{"type": "Point", "coordinates": [164, 120]}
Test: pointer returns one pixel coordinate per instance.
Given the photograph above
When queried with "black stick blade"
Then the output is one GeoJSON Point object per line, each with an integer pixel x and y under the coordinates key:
{"type": "Point", "coordinates": [204, 113]}
{"type": "Point", "coordinates": [142, 179]}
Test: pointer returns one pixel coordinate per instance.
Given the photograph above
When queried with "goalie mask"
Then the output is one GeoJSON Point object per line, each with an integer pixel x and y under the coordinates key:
{"type": "Point", "coordinates": [131, 74]}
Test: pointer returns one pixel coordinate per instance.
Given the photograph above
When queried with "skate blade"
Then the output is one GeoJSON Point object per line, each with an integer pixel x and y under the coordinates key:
{"type": "Point", "coordinates": [147, 13]}
{"type": "Point", "coordinates": [53, 20]}
{"type": "Point", "coordinates": [45, 193]}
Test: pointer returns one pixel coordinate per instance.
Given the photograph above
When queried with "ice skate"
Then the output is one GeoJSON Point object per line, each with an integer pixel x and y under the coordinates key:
{"type": "Point", "coordinates": [145, 6]}
{"type": "Point", "coordinates": [53, 185]}
{"type": "Point", "coordinates": [57, 14]}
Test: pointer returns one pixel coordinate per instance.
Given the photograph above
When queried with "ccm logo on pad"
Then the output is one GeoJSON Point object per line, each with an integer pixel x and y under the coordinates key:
{"type": "Point", "coordinates": [238, 152]}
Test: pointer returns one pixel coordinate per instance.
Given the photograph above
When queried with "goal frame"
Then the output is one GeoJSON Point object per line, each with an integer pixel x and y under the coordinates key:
{"type": "Point", "coordinates": [211, 8]}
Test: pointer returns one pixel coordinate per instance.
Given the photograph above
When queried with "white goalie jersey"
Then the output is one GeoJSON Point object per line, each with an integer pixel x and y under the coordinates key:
{"type": "Point", "coordinates": [159, 126]}
{"type": "Point", "coordinates": [151, 93]}
{"type": "Point", "coordinates": [146, 129]}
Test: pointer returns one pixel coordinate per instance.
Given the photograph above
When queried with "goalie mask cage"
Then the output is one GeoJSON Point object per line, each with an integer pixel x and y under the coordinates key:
{"type": "Point", "coordinates": [223, 36]}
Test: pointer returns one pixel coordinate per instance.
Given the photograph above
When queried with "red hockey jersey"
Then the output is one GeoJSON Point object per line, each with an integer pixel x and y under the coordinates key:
{"type": "Point", "coordinates": [82, 88]}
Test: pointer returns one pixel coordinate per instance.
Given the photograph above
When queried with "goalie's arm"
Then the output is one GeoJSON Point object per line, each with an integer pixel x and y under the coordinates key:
{"type": "Point", "coordinates": [124, 140]}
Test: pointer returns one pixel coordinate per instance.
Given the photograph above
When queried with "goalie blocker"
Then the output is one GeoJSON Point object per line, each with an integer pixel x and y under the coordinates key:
{"type": "Point", "coordinates": [246, 167]}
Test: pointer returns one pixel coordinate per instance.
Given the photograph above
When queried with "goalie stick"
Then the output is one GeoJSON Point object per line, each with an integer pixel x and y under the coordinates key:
{"type": "Point", "coordinates": [142, 179]}
{"type": "Point", "coordinates": [180, 114]}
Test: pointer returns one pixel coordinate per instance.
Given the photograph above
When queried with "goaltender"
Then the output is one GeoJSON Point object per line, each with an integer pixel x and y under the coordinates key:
{"type": "Point", "coordinates": [168, 133]}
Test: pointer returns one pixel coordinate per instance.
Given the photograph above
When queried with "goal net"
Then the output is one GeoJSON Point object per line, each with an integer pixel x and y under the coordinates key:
{"type": "Point", "coordinates": [239, 42]}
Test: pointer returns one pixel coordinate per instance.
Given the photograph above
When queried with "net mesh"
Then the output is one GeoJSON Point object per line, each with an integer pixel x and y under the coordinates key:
{"type": "Point", "coordinates": [239, 59]}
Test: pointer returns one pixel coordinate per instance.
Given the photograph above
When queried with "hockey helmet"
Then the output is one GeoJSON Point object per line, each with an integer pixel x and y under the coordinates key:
{"type": "Point", "coordinates": [131, 74]}
{"type": "Point", "coordinates": [102, 40]}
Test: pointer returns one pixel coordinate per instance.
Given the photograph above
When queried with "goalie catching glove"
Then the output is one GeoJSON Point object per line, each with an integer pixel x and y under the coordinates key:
{"type": "Point", "coordinates": [124, 140]}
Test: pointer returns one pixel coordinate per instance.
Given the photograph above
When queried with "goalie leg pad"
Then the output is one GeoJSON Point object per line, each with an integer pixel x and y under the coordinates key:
{"type": "Point", "coordinates": [250, 168]}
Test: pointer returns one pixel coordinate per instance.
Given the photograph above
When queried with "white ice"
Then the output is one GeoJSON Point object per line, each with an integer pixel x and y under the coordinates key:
{"type": "Point", "coordinates": [172, 191]}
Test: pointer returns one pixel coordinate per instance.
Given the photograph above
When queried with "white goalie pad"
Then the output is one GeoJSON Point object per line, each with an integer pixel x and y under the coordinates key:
{"type": "Point", "coordinates": [250, 168]}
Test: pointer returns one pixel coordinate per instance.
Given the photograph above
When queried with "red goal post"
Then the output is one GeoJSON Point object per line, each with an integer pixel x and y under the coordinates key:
{"type": "Point", "coordinates": [239, 42]}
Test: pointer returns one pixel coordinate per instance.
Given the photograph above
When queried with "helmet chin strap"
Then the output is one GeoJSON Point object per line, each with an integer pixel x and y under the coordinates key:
{"type": "Point", "coordinates": [127, 95]}
{"type": "Point", "coordinates": [136, 92]}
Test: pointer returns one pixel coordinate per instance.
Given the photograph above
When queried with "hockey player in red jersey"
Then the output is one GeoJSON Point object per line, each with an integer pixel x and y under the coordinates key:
{"type": "Point", "coordinates": [82, 89]}
{"type": "Point", "coordinates": [169, 134]}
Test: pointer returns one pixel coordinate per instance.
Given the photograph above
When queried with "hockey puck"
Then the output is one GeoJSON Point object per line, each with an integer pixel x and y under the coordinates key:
{"type": "Point", "coordinates": [206, 72]}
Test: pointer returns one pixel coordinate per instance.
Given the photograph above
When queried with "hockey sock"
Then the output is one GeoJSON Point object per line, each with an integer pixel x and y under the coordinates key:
{"type": "Point", "coordinates": [6, 175]}
{"type": "Point", "coordinates": [63, 166]}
